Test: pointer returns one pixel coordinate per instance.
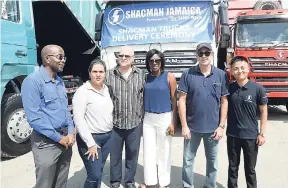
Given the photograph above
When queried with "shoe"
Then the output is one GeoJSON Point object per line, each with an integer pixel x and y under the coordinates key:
{"type": "Point", "coordinates": [130, 186]}
{"type": "Point", "coordinates": [146, 186]}
{"type": "Point", "coordinates": [115, 185]}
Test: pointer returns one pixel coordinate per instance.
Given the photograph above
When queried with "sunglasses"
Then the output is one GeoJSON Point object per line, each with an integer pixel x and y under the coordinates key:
{"type": "Point", "coordinates": [59, 57]}
{"type": "Point", "coordinates": [126, 56]}
{"type": "Point", "coordinates": [201, 54]}
{"type": "Point", "coordinates": [155, 60]}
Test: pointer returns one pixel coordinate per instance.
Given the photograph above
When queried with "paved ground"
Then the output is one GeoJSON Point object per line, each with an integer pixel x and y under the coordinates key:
{"type": "Point", "coordinates": [272, 169]}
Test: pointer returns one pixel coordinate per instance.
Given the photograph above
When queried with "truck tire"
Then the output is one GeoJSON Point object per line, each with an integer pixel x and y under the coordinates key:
{"type": "Point", "coordinates": [15, 130]}
{"type": "Point", "coordinates": [267, 5]}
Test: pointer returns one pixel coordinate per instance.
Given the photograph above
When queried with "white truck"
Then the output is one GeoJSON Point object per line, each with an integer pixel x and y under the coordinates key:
{"type": "Point", "coordinates": [173, 27]}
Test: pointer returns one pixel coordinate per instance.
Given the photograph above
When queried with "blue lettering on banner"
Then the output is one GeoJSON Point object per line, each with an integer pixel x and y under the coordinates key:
{"type": "Point", "coordinates": [184, 21]}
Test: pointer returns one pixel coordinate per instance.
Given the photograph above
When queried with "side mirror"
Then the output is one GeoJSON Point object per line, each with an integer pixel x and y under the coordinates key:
{"type": "Point", "coordinates": [98, 26]}
{"type": "Point", "coordinates": [223, 14]}
{"type": "Point", "coordinates": [225, 36]}
{"type": "Point", "coordinates": [224, 44]}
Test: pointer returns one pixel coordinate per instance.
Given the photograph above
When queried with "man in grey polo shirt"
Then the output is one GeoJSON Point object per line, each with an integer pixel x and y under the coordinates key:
{"type": "Point", "coordinates": [203, 92]}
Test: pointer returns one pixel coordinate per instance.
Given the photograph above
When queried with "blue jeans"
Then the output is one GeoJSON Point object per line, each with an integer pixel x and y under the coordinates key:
{"type": "Point", "coordinates": [94, 168]}
{"type": "Point", "coordinates": [190, 150]}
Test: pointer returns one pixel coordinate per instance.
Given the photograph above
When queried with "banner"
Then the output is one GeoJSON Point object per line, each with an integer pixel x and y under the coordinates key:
{"type": "Point", "coordinates": [158, 22]}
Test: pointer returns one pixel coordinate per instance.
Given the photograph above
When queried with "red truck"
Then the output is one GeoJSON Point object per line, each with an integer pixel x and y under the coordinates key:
{"type": "Point", "coordinates": [262, 37]}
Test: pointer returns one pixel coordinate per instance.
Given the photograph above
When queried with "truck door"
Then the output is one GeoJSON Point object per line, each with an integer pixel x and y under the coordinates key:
{"type": "Point", "coordinates": [13, 34]}
{"type": "Point", "coordinates": [18, 44]}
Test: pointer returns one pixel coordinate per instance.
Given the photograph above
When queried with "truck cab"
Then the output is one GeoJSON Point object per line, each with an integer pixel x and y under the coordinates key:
{"type": "Point", "coordinates": [18, 59]}
{"type": "Point", "coordinates": [26, 27]}
{"type": "Point", "coordinates": [262, 37]}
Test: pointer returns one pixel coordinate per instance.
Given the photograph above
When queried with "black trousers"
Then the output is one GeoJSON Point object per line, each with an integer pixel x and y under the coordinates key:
{"type": "Point", "coordinates": [131, 138]}
{"type": "Point", "coordinates": [250, 152]}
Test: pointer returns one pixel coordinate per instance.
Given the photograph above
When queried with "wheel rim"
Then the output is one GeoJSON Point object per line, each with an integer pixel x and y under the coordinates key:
{"type": "Point", "coordinates": [18, 128]}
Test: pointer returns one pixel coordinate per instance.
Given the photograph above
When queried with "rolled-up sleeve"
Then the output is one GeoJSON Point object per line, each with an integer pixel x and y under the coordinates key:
{"type": "Point", "coordinates": [79, 110]}
{"type": "Point", "coordinates": [32, 106]}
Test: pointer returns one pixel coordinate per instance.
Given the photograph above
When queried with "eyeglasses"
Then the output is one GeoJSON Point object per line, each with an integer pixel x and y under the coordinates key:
{"type": "Point", "coordinates": [201, 54]}
{"type": "Point", "coordinates": [126, 56]}
{"type": "Point", "coordinates": [155, 60]}
{"type": "Point", "coordinates": [59, 57]}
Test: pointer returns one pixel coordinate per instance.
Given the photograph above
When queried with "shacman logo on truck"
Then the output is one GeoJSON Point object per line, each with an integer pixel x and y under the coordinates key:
{"type": "Point", "coordinates": [280, 55]}
{"type": "Point", "coordinates": [115, 16]}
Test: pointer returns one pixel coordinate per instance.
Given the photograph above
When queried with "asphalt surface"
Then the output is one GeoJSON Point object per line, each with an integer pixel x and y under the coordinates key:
{"type": "Point", "coordinates": [272, 165]}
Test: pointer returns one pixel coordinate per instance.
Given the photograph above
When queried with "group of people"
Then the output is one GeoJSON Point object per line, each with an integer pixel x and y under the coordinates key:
{"type": "Point", "coordinates": [116, 107]}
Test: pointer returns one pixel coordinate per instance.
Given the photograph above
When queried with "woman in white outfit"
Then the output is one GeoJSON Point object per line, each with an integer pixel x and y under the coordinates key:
{"type": "Point", "coordinates": [159, 120]}
{"type": "Point", "coordinates": [92, 110]}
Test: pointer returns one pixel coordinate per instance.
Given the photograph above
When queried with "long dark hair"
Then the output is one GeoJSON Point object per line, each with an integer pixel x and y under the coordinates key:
{"type": "Point", "coordinates": [150, 54]}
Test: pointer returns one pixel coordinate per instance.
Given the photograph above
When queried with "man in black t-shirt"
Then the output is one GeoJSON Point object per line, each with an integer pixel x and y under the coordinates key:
{"type": "Point", "coordinates": [242, 130]}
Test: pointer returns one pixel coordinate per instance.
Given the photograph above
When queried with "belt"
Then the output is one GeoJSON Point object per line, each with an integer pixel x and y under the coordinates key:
{"type": "Point", "coordinates": [93, 134]}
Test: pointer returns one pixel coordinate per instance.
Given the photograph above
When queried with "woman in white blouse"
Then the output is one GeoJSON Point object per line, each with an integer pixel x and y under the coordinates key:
{"type": "Point", "coordinates": [92, 110]}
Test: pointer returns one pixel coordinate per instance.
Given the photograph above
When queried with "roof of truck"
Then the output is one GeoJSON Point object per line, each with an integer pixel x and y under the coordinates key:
{"type": "Point", "coordinates": [263, 12]}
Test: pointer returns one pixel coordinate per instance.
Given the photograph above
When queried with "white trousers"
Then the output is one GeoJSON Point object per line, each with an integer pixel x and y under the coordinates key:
{"type": "Point", "coordinates": [157, 148]}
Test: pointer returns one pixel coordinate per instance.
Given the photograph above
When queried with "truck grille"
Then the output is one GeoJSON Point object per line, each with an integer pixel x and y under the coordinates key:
{"type": "Point", "coordinates": [271, 79]}
{"type": "Point", "coordinates": [176, 61]}
{"type": "Point", "coordinates": [276, 80]}
{"type": "Point", "coordinates": [268, 64]}
{"type": "Point", "coordinates": [276, 89]}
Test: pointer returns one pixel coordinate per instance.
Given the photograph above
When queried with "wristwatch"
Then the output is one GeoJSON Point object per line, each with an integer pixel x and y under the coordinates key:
{"type": "Point", "coordinates": [222, 126]}
{"type": "Point", "coordinates": [261, 134]}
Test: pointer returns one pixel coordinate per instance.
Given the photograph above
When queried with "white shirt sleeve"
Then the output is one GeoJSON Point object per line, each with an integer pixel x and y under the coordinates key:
{"type": "Point", "coordinates": [79, 109]}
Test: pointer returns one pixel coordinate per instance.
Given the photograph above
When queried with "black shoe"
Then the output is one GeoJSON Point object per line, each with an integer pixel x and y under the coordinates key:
{"type": "Point", "coordinates": [130, 186]}
{"type": "Point", "coordinates": [115, 185]}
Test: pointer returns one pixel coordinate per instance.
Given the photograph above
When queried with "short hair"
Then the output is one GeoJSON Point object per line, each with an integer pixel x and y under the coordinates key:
{"type": "Point", "coordinates": [150, 54]}
{"type": "Point", "coordinates": [237, 59]}
{"type": "Point", "coordinates": [97, 61]}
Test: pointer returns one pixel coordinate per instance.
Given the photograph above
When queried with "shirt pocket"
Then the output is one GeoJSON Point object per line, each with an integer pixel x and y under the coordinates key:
{"type": "Point", "coordinates": [216, 89]}
{"type": "Point", "coordinates": [51, 102]}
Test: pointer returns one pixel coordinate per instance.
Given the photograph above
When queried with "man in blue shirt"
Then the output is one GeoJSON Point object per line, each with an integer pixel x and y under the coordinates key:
{"type": "Point", "coordinates": [46, 106]}
{"type": "Point", "coordinates": [203, 92]}
{"type": "Point", "coordinates": [242, 130]}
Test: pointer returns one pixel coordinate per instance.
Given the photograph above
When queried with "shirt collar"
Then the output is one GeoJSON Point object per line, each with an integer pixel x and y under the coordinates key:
{"type": "Point", "coordinates": [46, 76]}
{"type": "Point", "coordinates": [197, 68]}
{"type": "Point", "coordinates": [246, 86]}
{"type": "Point", "coordinates": [117, 71]}
{"type": "Point", "coordinates": [90, 87]}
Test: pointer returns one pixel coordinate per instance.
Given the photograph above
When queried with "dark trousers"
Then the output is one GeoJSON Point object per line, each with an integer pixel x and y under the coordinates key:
{"type": "Point", "coordinates": [94, 168]}
{"type": "Point", "coordinates": [52, 162]}
{"type": "Point", "coordinates": [131, 138]}
{"type": "Point", "coordinates": [250, 152]}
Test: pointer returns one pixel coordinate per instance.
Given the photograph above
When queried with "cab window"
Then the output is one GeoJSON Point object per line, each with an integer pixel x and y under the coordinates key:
{"type": "Point", "coordinates": [10, 10]}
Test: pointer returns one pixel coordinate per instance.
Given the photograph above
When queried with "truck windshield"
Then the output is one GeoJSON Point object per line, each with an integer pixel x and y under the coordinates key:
{"type": "Point", "coordinates": [157, 22]}
{"type": "Point", "coordinates": [261, 34]}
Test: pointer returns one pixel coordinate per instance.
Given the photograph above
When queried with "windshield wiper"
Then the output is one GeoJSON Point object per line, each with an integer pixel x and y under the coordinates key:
{"type": "Point", "coordinates": [254, 44]}
{"type": "Point", "coordinates": [280, 44]}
